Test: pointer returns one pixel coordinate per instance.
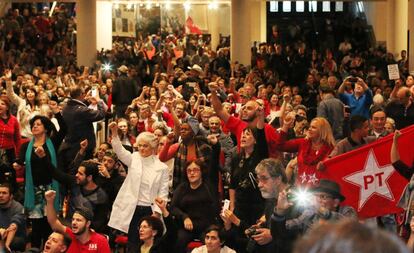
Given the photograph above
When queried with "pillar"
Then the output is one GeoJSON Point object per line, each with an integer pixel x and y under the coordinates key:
{"type": "Point", "coordinates": [240, 31]}
{"type": "Point", "coordinates": [104, 25]}
{"type": "Point", "coordinates": [258, 20]}
{"type": "Point", "coordinates": [390, 25]}
{"type": "Point", "coordinates": [397, 26]}
{"type": "Point", "coordinates": [411, 42]}
{"type": "Point", "coordinates": [214, 26]}
{"type": "Point", "coordinates": [401, 25]}
{"type": "Point", "coordinates": [86, 32]}
{"type": "Point", "coordinates": [4, 7]}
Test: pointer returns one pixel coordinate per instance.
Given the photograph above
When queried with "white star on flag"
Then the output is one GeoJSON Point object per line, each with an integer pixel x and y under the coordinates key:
{"type": "Point", "coordinates": [303, 177]}
{"type": "Point", "coordinates": [372, 180]}
{"type": "Point", "coordinates": [313, 179]}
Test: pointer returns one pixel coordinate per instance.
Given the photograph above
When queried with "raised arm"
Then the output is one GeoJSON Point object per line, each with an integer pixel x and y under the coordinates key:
{"type": "Point", "coordinates": [343, 85]}
{"type": "Point", "coordinates": [54, 223]}
{"type": "Point", "coordinates": [395, 155]}
{"type": "Point", "coordinates": [14, 98]}
{"type": "Point", "coordinates": [216, 103]}
{"type": "Point", "coordinates": [123, 155]}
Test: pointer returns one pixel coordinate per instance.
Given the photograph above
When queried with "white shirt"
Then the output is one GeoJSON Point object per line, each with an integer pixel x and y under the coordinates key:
{"type": "Point", "coordinates": [145, 189]}
{"type": "Point", "coordinates": [203, 249]}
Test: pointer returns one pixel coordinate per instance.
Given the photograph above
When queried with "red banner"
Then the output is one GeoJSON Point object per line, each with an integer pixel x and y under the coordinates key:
{"type": "Point", "coordinates": [367, 178]}
{"type": "Point", "coordinates": [192, 28]}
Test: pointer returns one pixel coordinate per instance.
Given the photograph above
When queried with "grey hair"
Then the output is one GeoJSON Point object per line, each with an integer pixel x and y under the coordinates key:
{"type": "Point", "coordinates": [148, 137]}
{"type": "Point", "coordinates": [274, 167]}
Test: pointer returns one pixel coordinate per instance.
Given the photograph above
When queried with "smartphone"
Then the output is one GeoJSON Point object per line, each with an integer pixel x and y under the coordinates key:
{"type": "Point", "coordinates": [226, 205]}
{"type": "Point", "coordinates": [94, 91]}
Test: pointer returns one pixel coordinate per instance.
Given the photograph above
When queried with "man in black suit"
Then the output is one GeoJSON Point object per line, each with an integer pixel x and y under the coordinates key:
{"type": "Point", "coordinates": [79, 118]}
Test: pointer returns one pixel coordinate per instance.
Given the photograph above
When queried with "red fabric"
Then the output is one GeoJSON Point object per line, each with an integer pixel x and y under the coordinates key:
{"type": "Point", "coordinates": [168, 118]}
{"type": "Point", "coordinates": [121, 239]}
{"type": "Point", "coordinates": [367, 178]}
{"type": "Point", "coordinates": [308, 159]}
{"type": "Point", "coordinates": [168, 151]}
{"type": "Point", "coordinates": [10, 135]}
{"type": "Point", "coordinates": [192, 28]}
{"type": "Point", "coordinates": [192, 245]}
{"type": "Point", "coordinates": [96, 243]}
{"type": "Point", "coordinates": [236, 126]}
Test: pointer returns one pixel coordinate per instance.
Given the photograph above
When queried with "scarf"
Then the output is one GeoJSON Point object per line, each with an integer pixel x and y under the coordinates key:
{"type": "Point", "coordinates": [203, 151]}
{"type": "Point", "coordinates": [29, 202]}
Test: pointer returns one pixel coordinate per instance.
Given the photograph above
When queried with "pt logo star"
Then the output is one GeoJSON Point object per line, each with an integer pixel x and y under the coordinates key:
{"type": "Point", "coordinates": [372, 180]}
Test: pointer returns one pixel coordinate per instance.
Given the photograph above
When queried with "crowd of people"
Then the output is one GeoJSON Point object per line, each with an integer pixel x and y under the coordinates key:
{"type": "Point", "coordinates": [148, 143]}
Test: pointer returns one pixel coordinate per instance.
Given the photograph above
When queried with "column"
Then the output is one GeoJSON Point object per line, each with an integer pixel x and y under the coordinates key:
{"type": "Point", "coordinates": [240, 31]}
{"type": "Point", "coordinates": [104, 25]}
{"type": "Point", "coordinates": [401, 26]}
{"type": "Point", "coordinates": [258, 20]}
{"type": "Point", "coordinates": [263, 21]}
{"type": "Point", "coordinates": [390, 25]}
{"type": "Point", "coordinates": [213, 21]}
{"type": "Point", "coordinates": [411, 42]}
{"type": "Point", "coordinates": [4, 7]}
{"type": "Point", "coordinates": [397, 26]}
{"type": "Point", "coordinates": [86, 32]}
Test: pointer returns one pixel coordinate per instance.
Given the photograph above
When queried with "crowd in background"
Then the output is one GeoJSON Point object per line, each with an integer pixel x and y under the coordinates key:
{"type": "Point", "coordinates": [166, 128]}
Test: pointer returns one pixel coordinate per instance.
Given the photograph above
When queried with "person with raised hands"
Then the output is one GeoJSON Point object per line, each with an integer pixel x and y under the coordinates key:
{"type": "Point", "coordinates": [248, 119]}
{"type": "Point", "coordinates": [147, 179]}
{"type": "Point", "coordinates": [84, 239]}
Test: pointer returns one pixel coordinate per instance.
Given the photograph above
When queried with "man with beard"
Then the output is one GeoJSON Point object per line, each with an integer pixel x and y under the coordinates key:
{"type": "Point", "coordinates": [248, 118]}
{"type": "Point", "coordinates": [110, 180]}
{"type": "Point", "coordinates": [271, 180]}
{"type": "Point", "coordinates": [12, 221]}
{"type": "Point", "coordinates": [83, 238]}
{"type": "Point", "coordinates": [85, 192]}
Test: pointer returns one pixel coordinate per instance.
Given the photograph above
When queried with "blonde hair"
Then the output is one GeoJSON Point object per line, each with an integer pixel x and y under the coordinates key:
{"type": "Point", "coordinates": [325, 131]}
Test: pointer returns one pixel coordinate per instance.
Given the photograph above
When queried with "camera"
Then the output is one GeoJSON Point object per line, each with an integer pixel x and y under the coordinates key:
{"type": "Point", "coordinates": [251, 243]}
{"type": "Point", "coordinates": [299, 118]}
{"type": "Point", "coordinates": [353, 79]}
{"type": "Point", "coordinates": [300, 197]}
{"type": "Point", "coordinates": [251, 231]}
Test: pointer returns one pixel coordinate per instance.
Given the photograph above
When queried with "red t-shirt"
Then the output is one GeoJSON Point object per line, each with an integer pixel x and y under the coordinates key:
{"type": "Point", "coordinates": [97, 243]}
{"type": "Point", "coordinates": [236, 126]}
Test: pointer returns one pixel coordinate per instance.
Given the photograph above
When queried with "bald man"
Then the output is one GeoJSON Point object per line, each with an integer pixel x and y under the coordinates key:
{"type": "Point", "coordinates": [401, 109]}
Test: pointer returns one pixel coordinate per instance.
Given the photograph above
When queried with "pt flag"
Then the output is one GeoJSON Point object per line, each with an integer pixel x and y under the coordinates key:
{"type": "Point", "coordinates": [367, 178]}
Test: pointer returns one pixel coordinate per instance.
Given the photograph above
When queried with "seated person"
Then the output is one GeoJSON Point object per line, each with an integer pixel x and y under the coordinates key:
{"type": "Point", "coordinates": [12, 221]}
{"type": "Point", "coordinates": [194, 206]}
{"type": "Point", "coordinates": [213, 242]}
{"type": "Point", "coordinates": [151, 231]}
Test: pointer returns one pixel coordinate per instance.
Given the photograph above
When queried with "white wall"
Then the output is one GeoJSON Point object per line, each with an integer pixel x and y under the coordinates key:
{"type": "Point", "coordinates": [376, 13]}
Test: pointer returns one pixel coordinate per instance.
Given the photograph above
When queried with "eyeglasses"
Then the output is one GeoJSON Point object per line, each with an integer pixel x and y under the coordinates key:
{"type": "Point", "coordinates": [194, 170]}
{"type": "Point", "coordinates": [263, 179]}
{"type": "Point", "coordinates": [323, 196]}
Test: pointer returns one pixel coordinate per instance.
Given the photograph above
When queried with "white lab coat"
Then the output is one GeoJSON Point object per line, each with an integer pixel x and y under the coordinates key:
{"type": "Point", "coordinates": [127, 198]}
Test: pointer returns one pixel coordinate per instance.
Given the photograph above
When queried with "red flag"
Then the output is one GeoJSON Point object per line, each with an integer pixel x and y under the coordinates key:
{"type": "Point", "coordinates": [367, 178]}
{"type": "Point", "coordinates": [192, 28]}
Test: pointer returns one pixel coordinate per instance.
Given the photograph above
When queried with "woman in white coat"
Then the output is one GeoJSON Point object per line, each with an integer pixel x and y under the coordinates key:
{"type": "Point", "coordinates": [147, 179]}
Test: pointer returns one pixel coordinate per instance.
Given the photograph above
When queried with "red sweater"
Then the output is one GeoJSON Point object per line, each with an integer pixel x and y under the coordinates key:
{"type": "Point", "coordinates": [308, 158]}
{"type": "Point", "coordinates": [10, 134]}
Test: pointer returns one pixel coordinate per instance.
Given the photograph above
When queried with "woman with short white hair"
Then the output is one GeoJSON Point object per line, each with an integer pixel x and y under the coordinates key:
{"type": "Point", "coordinates": [147, 179]}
